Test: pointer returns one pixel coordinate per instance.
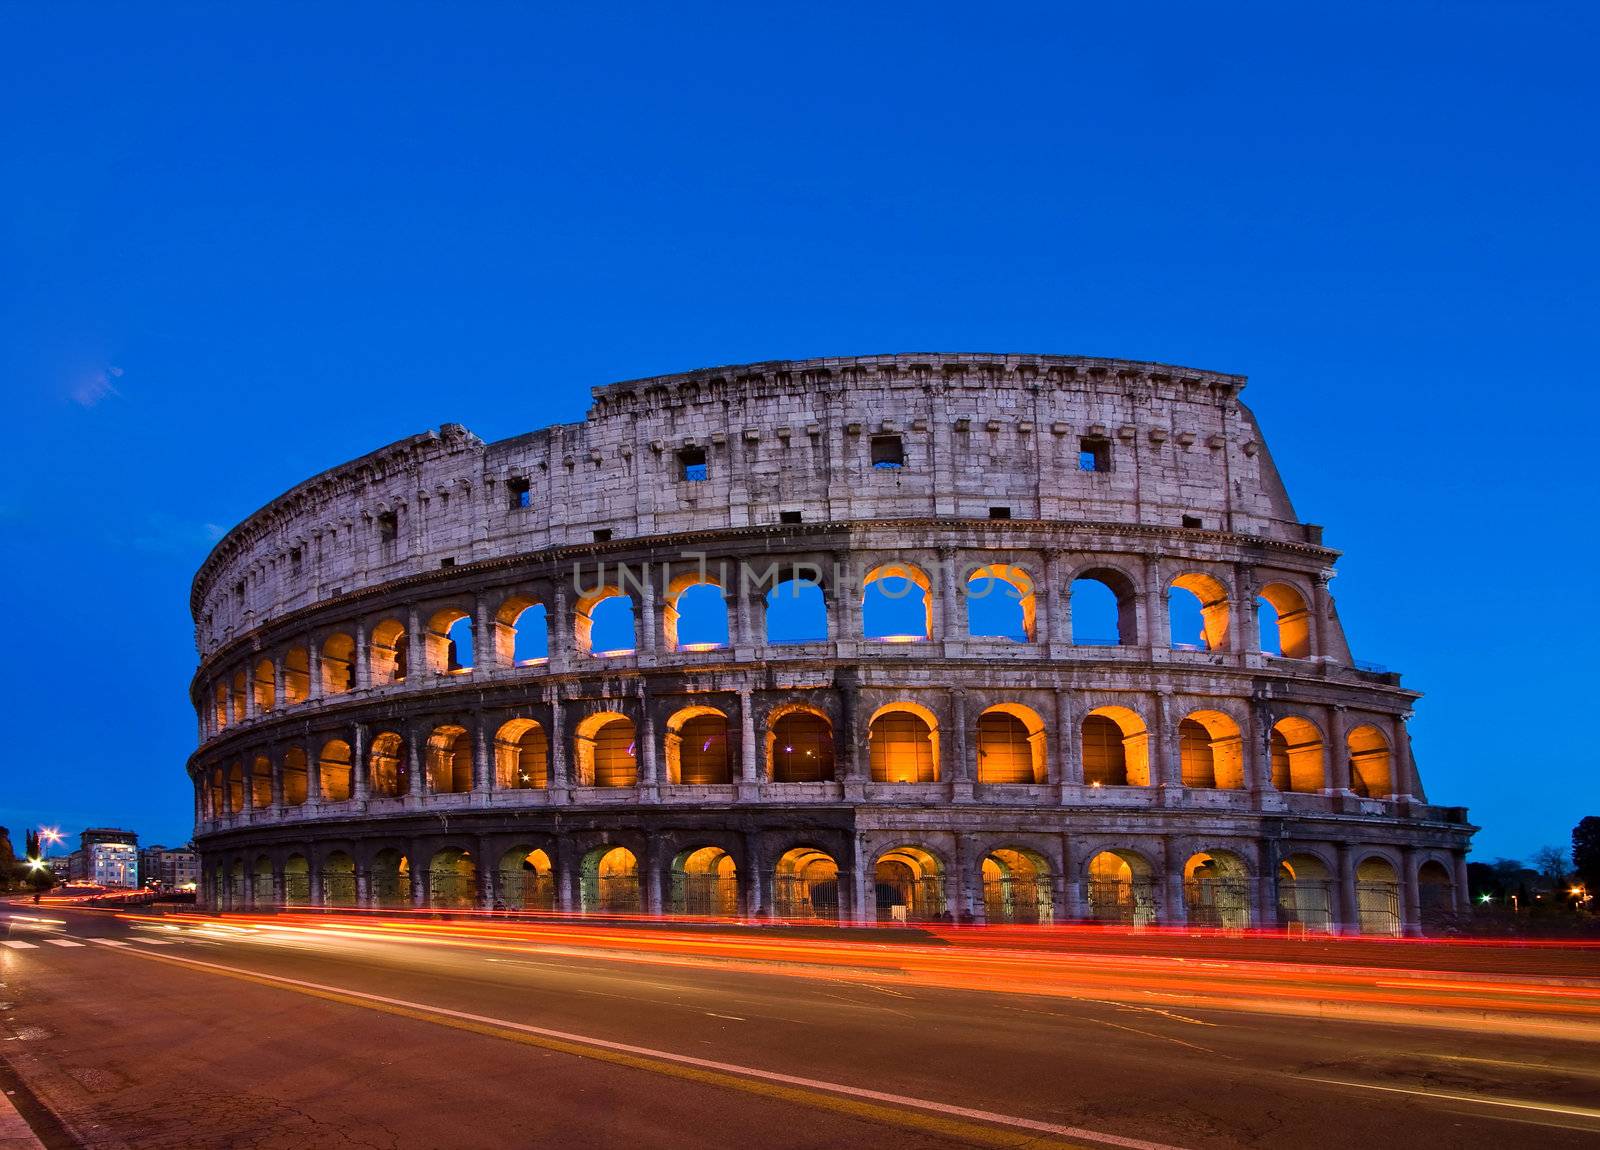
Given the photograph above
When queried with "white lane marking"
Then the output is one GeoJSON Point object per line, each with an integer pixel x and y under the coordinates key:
{"type": "Point", "coordinates": [62, 942]}
{"type": "Point", "coordinates": [18, 944]}
{"type": "Point", "coordinates": [109, 941]}
{"type": "Point", "coordinates": [1482, 1100]}
{"type": "Point", "coordinates": [816, 1084]}
{"type": "Point", "coordinates": [153, 941]}
{"type": "Point", "coordinates": [729, 1017]}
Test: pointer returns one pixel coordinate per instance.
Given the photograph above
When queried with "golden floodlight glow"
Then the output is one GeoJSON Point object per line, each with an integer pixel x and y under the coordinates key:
{"type": "Point", "coordinates": [900, 639]}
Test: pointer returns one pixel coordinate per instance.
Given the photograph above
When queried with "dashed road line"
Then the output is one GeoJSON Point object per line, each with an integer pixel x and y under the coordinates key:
{"type": "Point", "coordinates": [18, 944]}
{"type": "Point", "coordinates": [63, 942]}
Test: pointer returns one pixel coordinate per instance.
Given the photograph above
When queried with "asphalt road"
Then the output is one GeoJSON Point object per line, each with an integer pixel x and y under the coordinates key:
{"type": "Point", "coordinates": [181, 1033]}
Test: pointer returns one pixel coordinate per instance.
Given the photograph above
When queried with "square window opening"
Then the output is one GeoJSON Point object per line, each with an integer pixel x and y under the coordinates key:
{"type": "Point", "coordinates": [1094, 453]}
{"type": "Point", "coordinates": [603, 535]}
{"type": "Point", "coordinates": [789, 517]}
{"type": "Point", "coordinates": [1193, 521]}
{"type": "Point", "coordinates": [692, 465]}
{"type": "Point", "coordinates": [888, 452]}
{"type": "Point", "coordinates": [521, 493]}
{"type": "Point", "coordinates": [450, 562]}
{"type": "Point", "coordinates": [388, 527]}
{"type": "Point", "coordinates": [999, 513]}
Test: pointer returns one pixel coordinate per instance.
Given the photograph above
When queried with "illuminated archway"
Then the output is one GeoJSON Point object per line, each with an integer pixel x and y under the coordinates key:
{"type": "Point", "coordinates": [338, 663]}
{"type": "Point", "coordinates": [1305, 895]}
{"type": "Point", "coordinates": [1116, 748]}
{"type": "Point", "coordinates": [607, 751]}
{"type": "Point", "coordinates": [521, 756]}
{"type": "Point", "coordinates": [1121, 889]}
{"type": "Point", "coordinates": [521, 633]}
{"type": "Point", "coordinates": [1371, 766]}
{"type": "Point", "coordinates": [1285, 623]}
{"type": "Point", "coordinates": [391, 879]}
{"type": "Point", "coordinates": [697, 747]}
{"type": "Point", "coordinates": [695, 617]}
{"type": "Point", "coordinates": [611, 882]}
{"type": "Point", "coordinates": [897, 604]}
{"type": "Point", "coordinates": [453, 880]}
{"type": "Point", "coordinates": [448, 638]}
{"type": "Point", "coordinates": [387, 657]}
{"type": "Point", "coordinates": [296, 881]}
{"type": "Point", "coordinates": [388, 775]}
{"type": "Point", "coordinates": [705, 882]}
{"type": "Point", "coordinates": [1211, 751]}
{"type": "Point", "coordinates": [263, 683]}
{"type": "Point", "coordinates": [1378, 897]}
{"type": "Point", "coordinates": [910, 886]}
{"type": "Point", "coordinates": [1016, 887]}
{"type": "Point", "coordinates": [1298, 762]}
{"type": "Point", "coordinates": [527, 880]}
{"type": "Point", "coordinates": [296, 779]}
{"type": "Point", "coordinates": [903, 742]}
{"type": "Point", "coordinates": [1001, 604]}
{"type": "Point", "coordinates": [800, 746]}
{"type": "Point", "coordinates": [1011, 745]}
{"type": "Point", "coordinates": [338, 880]}
{"type": "Point", "coordinates": [1104, 609]}
{"type": "Point", "coordinates": [449, 760]}
{"type": "Point", "coordinates": [296, 675]}
{"type": "Point", "coordinates": [603, 623]}
{"type": "Point", "coordinates": [1210, 599]}
{"type": "Point", "coordinates": [1217, 890]}
{"type": "Point", "coordinates": [333, 771]}
{"type": "Point", "coordinates": [806, 885]}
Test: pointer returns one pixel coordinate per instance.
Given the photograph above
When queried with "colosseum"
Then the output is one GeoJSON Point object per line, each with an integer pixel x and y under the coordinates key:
{"type": "Point", "coordinates": [955, 638]}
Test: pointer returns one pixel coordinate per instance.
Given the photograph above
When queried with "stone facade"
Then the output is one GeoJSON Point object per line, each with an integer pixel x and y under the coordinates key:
{"type": "Point", "coordinates": [1249, 788]}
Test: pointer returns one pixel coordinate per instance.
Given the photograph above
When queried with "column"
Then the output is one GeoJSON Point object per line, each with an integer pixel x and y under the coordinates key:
{"type": "Point", "coordinates": [360, 768]}
{"type": "Point", "coordinates": [844, 601]}
{"type": "Point", "coordinates": [744, 611]}
{"type": "Point", "coordinates": [852, 738]}
{"type": "Point", "coordinates": [1405, 778]}
{"type": "Point", "coordinates": [488, 873]}
{"type": "Point", "coordinates": [961, 767]}
{"type": "Point", "coordinates": [314, 882]}
{"type": "Point", "coordinates": [249, 690]}
{"type": "Point", "coordinates": [275, 765]}
{"type": "Point", "coordinates": [649, 763]}
{"type": "Point", "coordinates": [415, 766]}
{"type": "Point", "coordinates": [1319, 616]}
{"type": "Point", "coordinates": [313, 775]}
{"type": "Point", "coordinates": [752, 878]}
{"type": "Point", "coordinates": [485, 657]}
{"type": "Point", "coordinates": [1156, 632]}
{"type": "Point", "coordinates": [561, 633]}
{"type": "Point", "coordinates": [1165, 768]}
{"type": "Point", "coordinates": [967, 883]}
{"type": "Point", "coordinates": [565, 863]}
{"type": "Point", "coordinates": [280, 697]}
{"type": "Point", "coordinates": [949, 610]}
{"type": "Point", "coordinates": [751, 768]}
{"type": "Point", "coordinates": [1068, 763]}
{"type": "Point", "coordinates": [419, 879]}
{"type": "Point", "coordinates": [653, 864]}
{"type": "Point", "coordinates": [1348, 910]}
{"type": "Point", "coordinates": [1410, 894]}
{"type": "Point", "coordinates": [416, 646]}
{"type": "Point", "coordinates": [1074, 908]}
{"type": "Point", "coordinates": [649, 622]}
{"type": "Point", "coordinates": [363, 885]}
{"type": "Point", "coordinates": [1053, 601]}
{"type": "Point", "coordinates": [362, 657]}
{"type": "Point", "coordinates": [1338, 763]}
{"type": "Point", "coordinates": [560, 779]}
{"type": "Point", "coordinates": [1257, 759]}
{"type": "Point", "coordinates": [314, 668]}
{"type": "Point", "coordinates": [482, 781]}
{"type": "Point", "coordinates": [1266, 909]}
{"type": "Point", "coordinates": [1173, 910]}
{"type": "Point", "coordinates": [857, 879]}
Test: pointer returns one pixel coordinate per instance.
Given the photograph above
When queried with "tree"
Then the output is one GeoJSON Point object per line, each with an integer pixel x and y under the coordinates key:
{"type": "Point", "coordinates": [1552, 864]}
{"type": "Point", "coordinates": [1586, 851]}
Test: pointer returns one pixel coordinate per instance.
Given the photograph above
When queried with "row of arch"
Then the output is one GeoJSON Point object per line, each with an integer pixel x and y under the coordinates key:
{"type": "Point", "coordinates": [908, 883]}
{"type": "Point", "coordinates": [896, 606]}
{"type": "Point", "coordinates": [702, 747]}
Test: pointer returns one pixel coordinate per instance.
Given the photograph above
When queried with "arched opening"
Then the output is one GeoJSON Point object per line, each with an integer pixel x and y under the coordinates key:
{"type": "Point", "coordinates": [296, 675]}
{"type": "Point", "coordinates": [603, 623]}
{"type": "Point", "coordinates": [261, 892]}
{"type": "Point", "coordinates": [1001, 604]}
{"type": "Point", "coordinates": [796, 613]}
{"type": "Point", "coordinates": [449, 766]}
{"type": "Point", "coordinates": [1104, 611]}
{"type": "Point", "coordinates": [333, 771]}
{"type": "Point", "coordinates": [527, 880]}
{"type": "Point", "coordinates": [1371, 769]}
{"type": "Point", "coordinates": [897, 604]}
{"type": "Point", "coordinates": [261, 782]}
{"type": "Point", "coordinates": [521, 756]}
{"type": "Point", "coordinates": [611, 882]}
{"type": "Point", "coordinates": [806, 885]}
{"type": "Point", "coordinates": [909, 885]}
{"type": "Point", "coordinates": [296, 881]}
{"type": "Point", "coordinates": [697, 748]}
{"type": "Point", "coordinates": [296, 779]}
{"type": "Point", "coordinates": [448, 639]}
{"type": "Point", "coordinates": [391, 879]}
{"type": "Point", "coordinates": [236, 892]}
{"type": "Point", "coordinates": [452, 880]}
{"type": "Point", "coordinates": [607, 751]}
{"type": "Point", "coordinates": [522, 633]}
{"type": "Point", "coordinates": [1121, 889]}
{"type": "Point", "coordinates": [1285, 621]}
{"type": "Point", "coordinates": [1016, 887]}
{"type": "Point", "coordinates": [236, 788]}
{"type": "Point", "coordinates": [219, 707]}
{"type": "Point", "coordinates": [1011, 745]}
{"type": "Point", "coordinates": [387, 660]}
{"type": "Point", "coordinates": [696, 615]}
{"type": "Point", "coordinates": [1216, 889]}
{"type": "Point", "coordinates": [1305, 895]}
{"type": "Point", "coordinates": [1211, 751]}
{"type": "Point", "coordinates": [263, 684]}
{"type": "Point", "coordinates": [338, 880]}
{"type": "Point", "coordinates": [903, 744]}
{"type": "Point", "coordinates": [1298, 763]}
{"type": "Point", "coordinates": [705, 882]}
{"type": "Point", "coordinates": [1116, 748]}
{"type": "Point", "coordinates": [1436, 894]}
{"type": "Point", "coordinates": [800, 747]}
{"type": "Point", "coordinates": [338, 664]}
{"type": "Point", "coordinates": [239, 689]}
{"type": "Point", "coordinates": [1198, 613]}
{"type": "Point", "coordinates": [1378, 897]}
{"type": "Point", "coordinates": [388, 775]}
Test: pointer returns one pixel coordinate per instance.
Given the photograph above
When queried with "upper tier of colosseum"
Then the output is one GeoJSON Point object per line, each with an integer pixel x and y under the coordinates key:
{"type": "Point", "coordinates": [977, 432]}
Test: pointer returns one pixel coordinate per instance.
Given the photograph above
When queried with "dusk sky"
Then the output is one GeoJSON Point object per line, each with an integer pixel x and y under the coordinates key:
{"type": "Point", "coordinates": [240, 246]}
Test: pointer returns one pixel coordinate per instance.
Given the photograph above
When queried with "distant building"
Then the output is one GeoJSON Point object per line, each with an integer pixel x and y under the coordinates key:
{"type": "Point", "coordinates": [107, 856]}
{"type": "Point", "coordinates": [172, 868]}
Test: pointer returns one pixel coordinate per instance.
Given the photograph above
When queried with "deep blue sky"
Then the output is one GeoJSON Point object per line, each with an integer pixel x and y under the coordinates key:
{"type": "Point", "coordinates": [241, 245]}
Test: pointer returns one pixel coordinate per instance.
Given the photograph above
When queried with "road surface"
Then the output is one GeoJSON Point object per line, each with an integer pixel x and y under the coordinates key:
{"type": "Point", "coordinates": [194, 1032]}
